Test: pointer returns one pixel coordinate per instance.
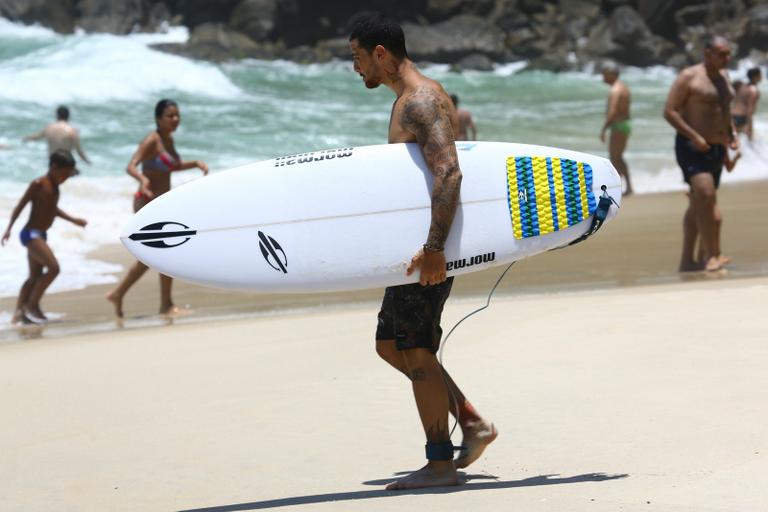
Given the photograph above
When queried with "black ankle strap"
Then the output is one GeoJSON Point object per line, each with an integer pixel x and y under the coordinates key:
{"type": "Point", "coordinates": [439, 451]}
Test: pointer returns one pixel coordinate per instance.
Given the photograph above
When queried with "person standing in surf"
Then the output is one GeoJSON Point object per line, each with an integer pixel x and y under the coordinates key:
{"type": "Point", "coordinates": [60, 135]}
{"type": "Point", "coordinates": [408, 332]}
{"type": "Point", "coordinates": [745, 103]}
{"type": "Point", "coordinates": [617, 120]}
{"type": "Point", "coordinates": [698, 108]}
{"type": "Point", "coordinates": [158, 158]}
{"type": "Point", "coordinates": [43, 195]}
{"type": "Point", "coordinates": [467, 128]}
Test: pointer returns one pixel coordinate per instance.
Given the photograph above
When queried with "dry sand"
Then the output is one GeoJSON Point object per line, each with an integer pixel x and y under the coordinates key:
{"type": "Point", "coordinates": [616, 384]}
{"type": "Point", "coordinates": [645, 400]}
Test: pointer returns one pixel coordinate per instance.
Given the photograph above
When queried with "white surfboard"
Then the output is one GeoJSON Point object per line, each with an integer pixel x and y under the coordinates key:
{"type": "Point", "coordinates": [352, 218]}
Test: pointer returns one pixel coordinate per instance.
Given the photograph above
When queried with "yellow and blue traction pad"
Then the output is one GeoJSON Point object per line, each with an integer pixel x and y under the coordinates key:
{"type": "Point", "coordinates": [547, 194]}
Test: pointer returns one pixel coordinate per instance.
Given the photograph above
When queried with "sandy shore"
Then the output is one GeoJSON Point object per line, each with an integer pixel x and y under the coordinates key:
{"type": "Point", "coordinates": [641, 247]}
{"type": "Point", "coordinates": [644, 399]}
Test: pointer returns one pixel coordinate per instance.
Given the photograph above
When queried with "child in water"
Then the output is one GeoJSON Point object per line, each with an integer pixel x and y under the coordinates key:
{"type": "Point", "coordinates": [43, 193]}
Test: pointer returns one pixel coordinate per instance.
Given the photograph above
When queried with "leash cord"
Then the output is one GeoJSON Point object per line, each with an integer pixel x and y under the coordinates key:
{"type": "Point", "coordinates": [445, 341]}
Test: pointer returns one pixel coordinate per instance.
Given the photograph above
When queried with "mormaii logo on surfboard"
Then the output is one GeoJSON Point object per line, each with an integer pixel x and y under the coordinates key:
{"type": "Point", "coordinates": [474, 260]}
{"type": "Point", "coordinates": [317, 156]}
{"type": "Point", "coordinates": [163, 235]}
{"type": "Point", "coordinates": [273, 254]}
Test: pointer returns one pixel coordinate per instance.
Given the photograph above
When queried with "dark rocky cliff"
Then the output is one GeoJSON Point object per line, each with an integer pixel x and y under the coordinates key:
{"type": "Point", "coordinates": [550, 34]}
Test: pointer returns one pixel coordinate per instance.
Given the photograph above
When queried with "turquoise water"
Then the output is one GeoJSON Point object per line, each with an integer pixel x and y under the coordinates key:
{"type": "Point", "coordinates": [241, 112]}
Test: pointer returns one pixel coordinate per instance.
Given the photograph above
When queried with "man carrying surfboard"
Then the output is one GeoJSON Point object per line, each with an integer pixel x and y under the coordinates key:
{"type": "Point", "coordinates": [408, 333]}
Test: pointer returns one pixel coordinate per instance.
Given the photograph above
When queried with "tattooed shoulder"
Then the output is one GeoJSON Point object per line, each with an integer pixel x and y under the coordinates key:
{"type": "Point", "coordinates": [421, 110]}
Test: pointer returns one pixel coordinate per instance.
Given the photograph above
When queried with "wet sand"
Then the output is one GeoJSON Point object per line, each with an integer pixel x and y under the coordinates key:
{"type": "Point", "coordinates": [641, 247]}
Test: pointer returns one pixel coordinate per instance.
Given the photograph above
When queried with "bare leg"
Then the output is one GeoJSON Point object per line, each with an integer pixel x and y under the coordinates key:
{"type": "Point", "coordinates": [460, 408]}
{"type": "Point", "coordinates": [134, 273]}
{"type": "Point", "coordinates": [431, 396]}
{"type": "Point", "coordinates": [703, 201]}
{"type": "Point", "coordinates": [35, 271]}
{"type": "Point", "coordinates": [167, 307]}
{"type": "Point", "coordinates": [616, 146]}
{"type": "Point", "coordinates": [40, 252]}
{"type": "Point", "coordinates": [166, 303]}
{"type": "Point", "coordinates": [721, 258]}
{"type": "Point", "coordinates": [478, 432]}
{"type": "Point", "coordinates": [129, 279]}
{"type": "Point", "coordinates": [690, 234]}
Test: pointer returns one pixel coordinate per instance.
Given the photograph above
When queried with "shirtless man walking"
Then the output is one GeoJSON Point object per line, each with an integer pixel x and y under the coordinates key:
{"type": "Point", "coordinates": [408, 333]}
{"type": "Point", "coordinates": [60, 135]}
{"type": "Point", "coordinates": [617, 120]}
{"type": "Point", "coordinates": [467, 128]}
{"type": "Point", "coordinates": [698, 107]}
{"type": "Point", "coordinates": [745, 103]}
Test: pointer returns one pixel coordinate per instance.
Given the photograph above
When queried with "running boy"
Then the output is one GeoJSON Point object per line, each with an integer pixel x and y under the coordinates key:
{"type": "Point", "coordinates": [43, 193]}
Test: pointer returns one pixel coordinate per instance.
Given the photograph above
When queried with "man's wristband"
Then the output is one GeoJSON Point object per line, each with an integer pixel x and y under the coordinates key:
{"type": "Point", "coordinates": [430, 247]}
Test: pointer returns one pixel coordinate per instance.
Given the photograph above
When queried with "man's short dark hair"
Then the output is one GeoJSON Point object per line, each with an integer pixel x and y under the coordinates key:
{"type": "Point", "coordinates": [62, 158]}
{"type": "Point", "coordinates": [62, 113]}
{"type": "Point", "coordinates": [753, 73]}
{"type": "Point", "coordinates": [371, 30]}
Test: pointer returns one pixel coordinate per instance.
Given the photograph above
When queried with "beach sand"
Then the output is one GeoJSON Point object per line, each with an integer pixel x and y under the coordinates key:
{"type": "Point", "coordinates": [646, 399]}
{"type": "Point", "coordinates": [615, 382]}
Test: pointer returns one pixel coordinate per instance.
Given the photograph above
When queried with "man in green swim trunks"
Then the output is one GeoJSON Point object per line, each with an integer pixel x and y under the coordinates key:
{"type": "Point", "coordinates": [617, 119]}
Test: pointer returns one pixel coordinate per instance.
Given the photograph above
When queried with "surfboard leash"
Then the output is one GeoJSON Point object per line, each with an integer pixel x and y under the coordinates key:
{"type": "Point", "coordinates": [445, 341]}
{"type": "Point", "coordinates": [599, 217]}
{"type": "Point", "coordinates": [601, 213]}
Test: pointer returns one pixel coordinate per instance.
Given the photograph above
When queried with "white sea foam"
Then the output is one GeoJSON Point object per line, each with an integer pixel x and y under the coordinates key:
{"type": "Point", "coordinates": [15, 31]}
{"type": "Point", "coordinates": [97, 68]}
{"type": "Point", "coordinates": [104, 202]}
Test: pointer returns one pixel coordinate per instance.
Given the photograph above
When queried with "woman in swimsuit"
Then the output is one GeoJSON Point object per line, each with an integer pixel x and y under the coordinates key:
{"type": "Point", "coordinates": [158, 158]}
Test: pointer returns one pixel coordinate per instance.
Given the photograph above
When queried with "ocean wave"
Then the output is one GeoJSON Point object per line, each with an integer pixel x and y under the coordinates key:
{"type": "Point", "coordinates": [99, 68]}
{"type": "Point", "coordinates": [14, 31]}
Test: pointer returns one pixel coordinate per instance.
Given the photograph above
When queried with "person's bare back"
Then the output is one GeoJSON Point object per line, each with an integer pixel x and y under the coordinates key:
{"type": "Point", "coordinates": [60, 135]}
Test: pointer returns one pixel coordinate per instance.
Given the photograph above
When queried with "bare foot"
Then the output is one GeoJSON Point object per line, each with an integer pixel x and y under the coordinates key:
{"type": "Point", "coordinates": [724, 260]}
{"type": "Point", "coordinates": [477, 436]}
{"type": "Point", "coordinates": [175, 311]}
{"type": "Point", "coordinates": [434, 474]}
{"type": "Point", "coordinates": [117, 302]}
{"type": "Point", "coordinates": [713, 264]}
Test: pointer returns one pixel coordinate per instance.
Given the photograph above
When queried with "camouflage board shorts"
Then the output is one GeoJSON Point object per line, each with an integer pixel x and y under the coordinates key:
{"type": "Point", "coordinates": [410, 315]}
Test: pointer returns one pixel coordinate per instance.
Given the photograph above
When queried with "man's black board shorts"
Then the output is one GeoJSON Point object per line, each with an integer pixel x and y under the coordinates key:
{"type": "Point", "coordinates": [410, 315]}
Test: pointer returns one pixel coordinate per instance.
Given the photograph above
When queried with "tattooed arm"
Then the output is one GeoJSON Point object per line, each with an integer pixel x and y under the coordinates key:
{"type": "Point", "coordinates": [429, 120]}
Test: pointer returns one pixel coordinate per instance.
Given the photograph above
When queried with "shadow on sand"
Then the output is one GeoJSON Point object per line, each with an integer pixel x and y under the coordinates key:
{"type": "Point", "coordinates": [469, 485]}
